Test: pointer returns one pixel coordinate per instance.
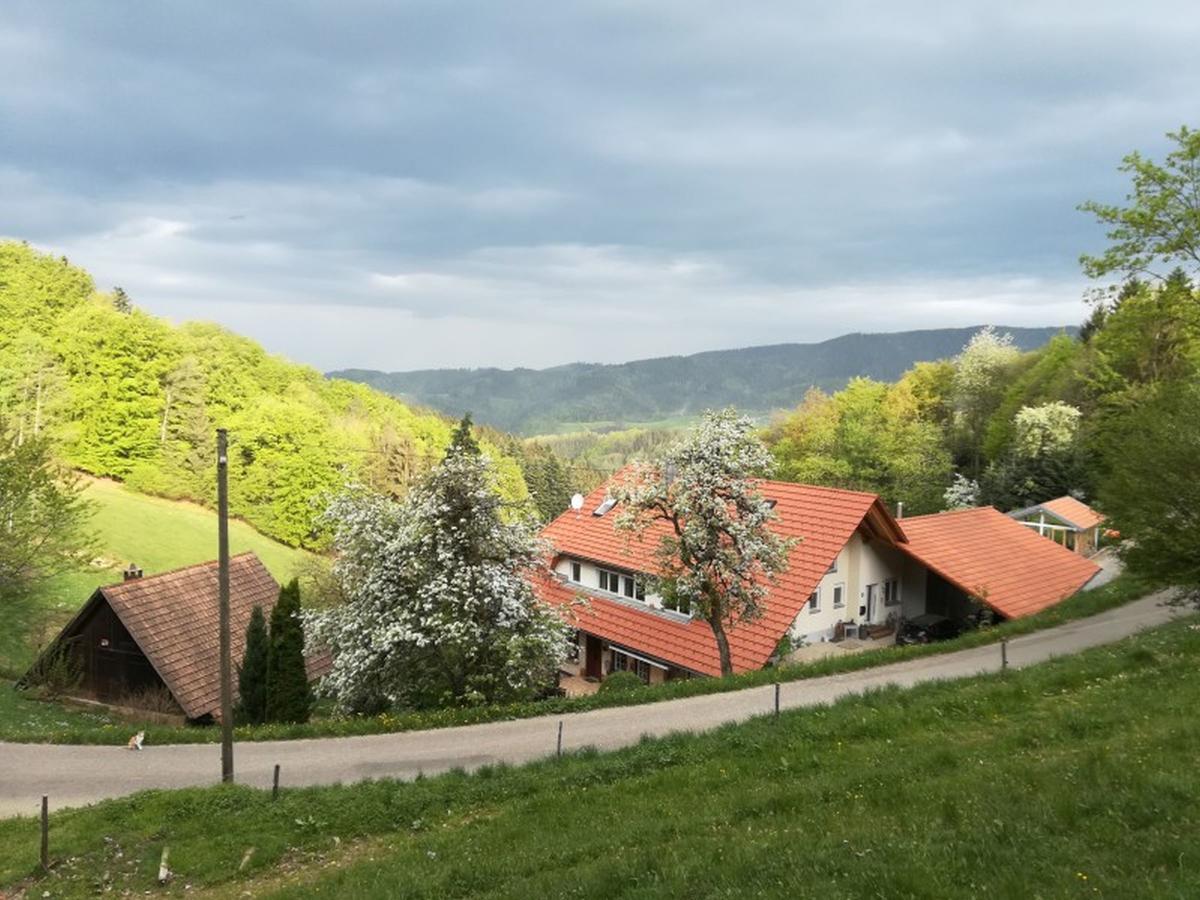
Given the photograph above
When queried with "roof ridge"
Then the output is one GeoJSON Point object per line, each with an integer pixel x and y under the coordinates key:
{"type": "Point", "coordinates": [950, 512]}
{"type": "Point", "coordinates": [176, 571]}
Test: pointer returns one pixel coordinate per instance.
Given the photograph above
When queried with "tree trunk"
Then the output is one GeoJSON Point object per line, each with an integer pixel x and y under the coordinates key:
{"type": "Point", "coordinates": [37, 407]}
{"type": "Point", "coordinates": [718, 631]}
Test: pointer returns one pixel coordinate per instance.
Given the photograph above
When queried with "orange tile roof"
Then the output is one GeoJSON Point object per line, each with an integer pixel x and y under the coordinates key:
{"type": "Point", "coordinates": [987, 554]}
{"type": "Point", "coordinates": [1073, 512]}
{"type": "Point", "coordinates": [822, 519]}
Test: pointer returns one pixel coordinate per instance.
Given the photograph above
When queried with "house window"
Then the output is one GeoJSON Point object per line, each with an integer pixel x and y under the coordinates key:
{"type": "Point", "coordinates": [814, 601]}
{"type": "Point", "coordinates": [627, 582]}
{"type": "Point", "coordinates": [609, 503]}
{"type": "Point", "coordinates": [891, 592]}
{"type": "Point", "coordinates": [623, 663]}
{"type": "Point", "coordinates": [677, 604]}
{"type": "Point", "coordinates": [832, 567]}
{"type": "Point", "coordinates": [839, 596]}
{"type": "Point", "coordinates": [576, 572]}
{"type": "Point", "coordinates": [610, 581]}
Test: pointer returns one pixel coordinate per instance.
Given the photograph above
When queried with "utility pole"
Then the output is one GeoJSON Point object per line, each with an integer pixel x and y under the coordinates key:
{"type": "Point", "coordinates": [223, 593]}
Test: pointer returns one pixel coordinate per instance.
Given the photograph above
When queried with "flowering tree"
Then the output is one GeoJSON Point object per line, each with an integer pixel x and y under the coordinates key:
{"type": "Point", "coordinates": [963, 493]}
{"type": "Point", "coordinates": [1045, 429]}
{"type": "Point", "coordinates": [439, 609]}
{"type": "Point", "coordinates": [719, 554]}
{"type": "Point", "coordinates": [978, 385]}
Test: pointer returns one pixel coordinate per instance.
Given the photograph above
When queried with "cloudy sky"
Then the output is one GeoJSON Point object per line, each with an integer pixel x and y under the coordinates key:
{"type": "Point", "coordinates": [410, 185]}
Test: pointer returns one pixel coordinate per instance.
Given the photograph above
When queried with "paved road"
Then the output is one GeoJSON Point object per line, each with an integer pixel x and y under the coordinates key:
{"type": "Point", "coordinates": [75, 775]}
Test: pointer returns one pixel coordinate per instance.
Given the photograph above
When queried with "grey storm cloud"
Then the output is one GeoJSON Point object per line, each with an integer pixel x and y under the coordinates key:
{"type": "Point", "coordinates": [430, 184]}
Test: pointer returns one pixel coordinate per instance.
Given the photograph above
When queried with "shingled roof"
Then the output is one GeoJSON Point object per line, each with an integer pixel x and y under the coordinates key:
{"type": "Point", "coordinates": [174, 619]}
{"type": "Point", "coordinates": [821, 519]}
{"type": "Point", "coordinates": [1073, 512]}
{"type": "Point", "coordinates": [988, 555]}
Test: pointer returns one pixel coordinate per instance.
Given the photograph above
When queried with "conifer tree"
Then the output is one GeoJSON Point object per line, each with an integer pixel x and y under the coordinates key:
{"type": "Point", "coordinates": [289, 697]}
{"type": "Point", "coordinates": [252, 675]}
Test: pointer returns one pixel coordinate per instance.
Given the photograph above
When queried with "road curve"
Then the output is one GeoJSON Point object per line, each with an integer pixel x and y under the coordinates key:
{"type": "Point", "coordinates": [73, 775]}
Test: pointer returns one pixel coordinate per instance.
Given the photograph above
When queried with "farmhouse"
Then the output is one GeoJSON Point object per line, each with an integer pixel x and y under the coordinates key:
{"type": "Point", "coordinates": [1065, 521]}
{"type": "Point", "coordinates": [161, 633]}
{"type": "Point", "coordinates": [854, 568]}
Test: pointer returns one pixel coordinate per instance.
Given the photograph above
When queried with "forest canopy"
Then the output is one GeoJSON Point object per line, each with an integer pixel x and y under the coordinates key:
{"type": "Point", "coordinates": [120, 393]}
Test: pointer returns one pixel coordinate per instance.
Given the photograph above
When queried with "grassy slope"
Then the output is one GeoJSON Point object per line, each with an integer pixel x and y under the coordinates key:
{"type": "Point", "coordinates": [1071, 779]}
{"type": "Point", "coordinates": [158, 535]}
{"type": "Point", "coordinates": [21, 720]}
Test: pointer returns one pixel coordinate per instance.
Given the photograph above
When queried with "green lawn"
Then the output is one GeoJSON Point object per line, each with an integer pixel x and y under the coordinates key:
{"type": "Point", "coordinates": [18, 722]}
{"type": "Point", "coordinates": [157, 534]}
{"type": "Point", "coordinates": [1076, 778]}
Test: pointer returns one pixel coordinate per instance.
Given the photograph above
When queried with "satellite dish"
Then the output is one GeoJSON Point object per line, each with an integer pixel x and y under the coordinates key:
{"type": "Point", "coordinates": [577, 502]}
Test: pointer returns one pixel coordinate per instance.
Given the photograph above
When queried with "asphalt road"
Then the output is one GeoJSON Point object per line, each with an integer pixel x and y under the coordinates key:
{"type": "Point", "coordinates": [78, 775]}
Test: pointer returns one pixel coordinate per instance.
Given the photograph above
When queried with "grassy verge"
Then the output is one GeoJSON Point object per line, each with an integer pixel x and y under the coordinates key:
{"type": "Point", "coordinates": [157, 534]}
{"type": "Point", "coordinates": [1075, 778]}
{"type": "Point", "coordinates": [13, 722]}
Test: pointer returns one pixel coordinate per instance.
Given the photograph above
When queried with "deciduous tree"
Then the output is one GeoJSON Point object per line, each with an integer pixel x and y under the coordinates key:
{"type": "Point", "coordinates": [720, 555]}
{"type": "Point", "coordinates": [439, 609]}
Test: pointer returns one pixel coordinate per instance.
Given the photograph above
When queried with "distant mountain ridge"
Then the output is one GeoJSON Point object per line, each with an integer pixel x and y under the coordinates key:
{"type": "Point", "coordinates": [757, 380]}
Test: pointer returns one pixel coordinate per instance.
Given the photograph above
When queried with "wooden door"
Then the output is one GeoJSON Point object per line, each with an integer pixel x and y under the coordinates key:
{"type": "Point", "coordinates": [593, 651]}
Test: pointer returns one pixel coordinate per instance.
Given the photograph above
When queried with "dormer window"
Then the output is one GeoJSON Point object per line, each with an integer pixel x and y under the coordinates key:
{"type": "Point", "coordinates": [609, 503]}
{"type": "Point", "coordinates": [576, 572]}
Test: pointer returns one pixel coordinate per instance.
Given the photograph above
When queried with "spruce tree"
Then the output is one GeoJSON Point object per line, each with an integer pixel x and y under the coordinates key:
{"type": "Point", "coordinates": [289, 697]}
{"type": "Point", "coordinates": [252, 675]}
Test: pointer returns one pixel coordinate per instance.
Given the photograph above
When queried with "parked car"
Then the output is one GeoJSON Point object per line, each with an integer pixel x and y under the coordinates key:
{"type": "Point", "coordinates": [927, 629]}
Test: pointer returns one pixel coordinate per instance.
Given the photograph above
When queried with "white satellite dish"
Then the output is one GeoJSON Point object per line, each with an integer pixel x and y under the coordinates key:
{"type": "Point", "coordinates": [577, 502]}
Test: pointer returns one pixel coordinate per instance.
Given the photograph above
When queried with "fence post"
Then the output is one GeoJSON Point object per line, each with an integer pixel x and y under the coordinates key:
{"type": "Point", "coordinates": [1004, 655]}
{"type": "Point", "coordinates": [560, 724]}
{"type": "Point", "coordinates": [275, 784]}
{"type": "Point", "coordinates": [777, 699]}
{"type": "Point", "coordinates": [45, 833]}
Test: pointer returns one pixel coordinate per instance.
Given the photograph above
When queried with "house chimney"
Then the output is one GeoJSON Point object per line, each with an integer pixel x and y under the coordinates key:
{"type": "Point", "coordinates": [900, 510]}
{"type": "Point", "coordinates": [132, 572]}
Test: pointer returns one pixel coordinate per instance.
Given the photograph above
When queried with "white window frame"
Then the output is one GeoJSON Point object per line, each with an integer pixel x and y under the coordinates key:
{"type": "Point", "coordinates": [814, 601]}
{"type": "Point", "coordinates": [839, 591]}
{"type": "Point", "coordinates": [833, 566]}
{"type": "Point", "coordinates": [576, 572]}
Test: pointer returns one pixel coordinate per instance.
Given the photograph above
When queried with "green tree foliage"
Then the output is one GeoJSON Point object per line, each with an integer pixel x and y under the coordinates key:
{"type": "Point", "coordinates": [1053, 372]}
{"type": "Point", "coordinates": [1160, 224]}
{"type": "Point", "coordinates": [43, 516]}
{"type": "Point", "coordinates": [122, 394]}
{"type": "Point", "coordinates": [288, 696]}
{"type": "Point", "coordinates": [1043, 461]}
{"type": "Point", "coordinates": [870, 437]}
{"type": "Point", "coordinates": [251, 707]}
{"type": "Point", "coordinates": [1152, 495]}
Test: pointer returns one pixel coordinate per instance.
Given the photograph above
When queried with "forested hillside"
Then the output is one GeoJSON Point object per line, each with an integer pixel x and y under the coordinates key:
{"type": "Point", "coordinates": [756, 380]}
{"type": "Point", "coordinates": [121, 393]}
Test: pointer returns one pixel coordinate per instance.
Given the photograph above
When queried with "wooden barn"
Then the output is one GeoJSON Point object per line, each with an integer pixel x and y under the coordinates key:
{"type": "Point", "coordinates": [162, 632]}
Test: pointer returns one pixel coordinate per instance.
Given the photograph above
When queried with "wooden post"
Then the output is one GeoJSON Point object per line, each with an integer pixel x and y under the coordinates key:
{"type": "Point", "coordinates": [777, 699]}
{"type": "Point", "coordinates": [1004, 655]}
{"type": "Point", "coordinates": [275, 784]}
{"type": "Point", "coordinates": [223, 593]}
{"type": "Point", "coordinates": [45, 833]}
{"type": "Point", "coordinates": [560, 724]}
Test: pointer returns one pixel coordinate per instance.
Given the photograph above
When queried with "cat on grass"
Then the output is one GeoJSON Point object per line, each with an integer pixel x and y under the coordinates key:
{"type": "Point", "coordinates": [135, 742]}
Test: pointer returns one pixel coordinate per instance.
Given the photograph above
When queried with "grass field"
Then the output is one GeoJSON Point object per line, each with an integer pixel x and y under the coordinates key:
{"type": "Point", "coordinates": [28, 720]}
{"type": "Point", "coordinates": [156, 534]}
{"type": "Point", "coordinates": [1076, 778]}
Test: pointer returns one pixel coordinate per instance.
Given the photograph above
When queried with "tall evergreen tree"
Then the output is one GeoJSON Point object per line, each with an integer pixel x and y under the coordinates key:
{"type": "Point", "coordinates": [252, 675]}
{"type": "Point", "coordinates": [289, 697]}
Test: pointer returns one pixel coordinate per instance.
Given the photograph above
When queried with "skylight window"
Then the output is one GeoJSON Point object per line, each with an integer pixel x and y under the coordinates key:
{"type": "Point", "coordinates": [609, 503]}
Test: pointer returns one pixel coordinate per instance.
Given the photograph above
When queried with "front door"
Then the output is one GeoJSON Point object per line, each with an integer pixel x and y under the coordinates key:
{"type": "Point", "coordinates": [593, 651]}
{"type": "Point", "coordinates": [871, 603]}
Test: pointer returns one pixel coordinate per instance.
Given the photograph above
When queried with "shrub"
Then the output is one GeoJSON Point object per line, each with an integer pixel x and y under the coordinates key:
{"type": "Point", "coordinates": [620, 682]}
